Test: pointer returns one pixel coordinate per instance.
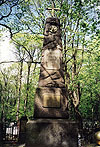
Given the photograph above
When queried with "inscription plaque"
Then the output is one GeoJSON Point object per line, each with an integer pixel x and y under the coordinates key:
{"type": "Point", "coordinates": [52, 59]}
{"type": "Point", "coordinates": [51, 100]}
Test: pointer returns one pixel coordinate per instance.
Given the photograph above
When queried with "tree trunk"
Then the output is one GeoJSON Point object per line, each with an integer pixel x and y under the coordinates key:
{"type": "Point", "coordinates": [76, 94]}
{"type": "Point", "coordinates": [27, 88]}
{"type": "Point", "coordinates": [19, 91]}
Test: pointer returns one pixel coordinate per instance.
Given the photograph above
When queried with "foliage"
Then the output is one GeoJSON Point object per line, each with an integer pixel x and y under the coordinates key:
{"type": "Point", "coordinates": [30, 45]}
{"type": "Point", "coordinates": [9, 91]}
{"type": "Point", "coordinates": [90, 80]}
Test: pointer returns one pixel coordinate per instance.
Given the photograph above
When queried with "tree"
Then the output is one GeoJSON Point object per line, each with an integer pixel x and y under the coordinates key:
{"type": "Point", "coordinates": [8, 93]}
{"type": "Point", "coordinates": [76, 25]}
{"type": "Point", "coordinates": [31, 47]}
{"type": "Point", "coordinates": [90, 81]}
{"type": "Point", "coordinates": [7, 8]}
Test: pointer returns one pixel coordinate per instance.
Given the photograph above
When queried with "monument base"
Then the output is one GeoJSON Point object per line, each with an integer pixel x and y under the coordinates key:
{"type": "Point", "coordinates": [51, 133]}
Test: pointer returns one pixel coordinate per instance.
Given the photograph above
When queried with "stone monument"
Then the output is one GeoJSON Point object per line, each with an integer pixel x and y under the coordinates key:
{"type": "Point", "coordinates": [50, 126]}
{"type": "Point", "coordinates": [51, 94]}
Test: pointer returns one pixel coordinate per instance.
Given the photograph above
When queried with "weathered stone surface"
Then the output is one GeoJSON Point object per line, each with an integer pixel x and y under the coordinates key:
{"type": "Point", "coordinates": [48, 103]}
{"type": "Point", "coordinates": [51, 81]}
{"type": "Point", "coordinates": [52, 39]}
{"type": "Point", "coordinates": [53, 20]}
{"type": "Point", "coordinates": [51, 133]}
{"type": "Point", "coordinates": [51, 78]}
{"type": "Point", "coordinates": [52, 27]}
{"type": "Point", "coordinates": [42, 68]}
{"type": "Point", "coordinates": [52, 59]}
{"type": "Point", "coordinates": [50, 45]}
{"type": "Point", "coordinates": [51, 100]}
{"type": "Point", "coordinates": [55, 111]}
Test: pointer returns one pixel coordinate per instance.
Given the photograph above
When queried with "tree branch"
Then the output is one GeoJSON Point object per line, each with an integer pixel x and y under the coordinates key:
{"type": "Point", "coordinates": [19, 62]}
{"type": "Point", "coordinates": [7, 28]}
{"type": "Point", "coordinates": [2, 2]}
{"type": "Point", "coordinates": [4, 16]}
{"type": "Point", "coordinates": [23, 47]}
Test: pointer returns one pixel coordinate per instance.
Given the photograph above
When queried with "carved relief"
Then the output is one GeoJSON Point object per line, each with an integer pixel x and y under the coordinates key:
{"type": "Point", "coordinates": [53, 29]}
{"type": "Point", "coordinates": [51, 59]}
{"type": "Point", "coordinates": [51, 100]}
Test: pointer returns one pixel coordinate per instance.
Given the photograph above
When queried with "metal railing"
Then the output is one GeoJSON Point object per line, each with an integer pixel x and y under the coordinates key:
{"type": "Point", "coordinates": [10, 131]}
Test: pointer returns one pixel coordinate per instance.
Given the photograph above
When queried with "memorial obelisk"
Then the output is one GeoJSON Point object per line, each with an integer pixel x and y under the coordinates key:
{"type": "Point", "coordinates": [51, 95]}
{"type": "Point", "coordinates": [50, 127]}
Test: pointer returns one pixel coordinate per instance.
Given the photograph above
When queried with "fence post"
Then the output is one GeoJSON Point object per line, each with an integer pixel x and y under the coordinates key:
{"type": "Point", "coordinates": [1, 134]}
{"type": "Point", "coordinates": [22, 130]}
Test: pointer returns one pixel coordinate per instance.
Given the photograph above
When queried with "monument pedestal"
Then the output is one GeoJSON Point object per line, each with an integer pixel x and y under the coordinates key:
{"type": "Point", "coordinates": [51, 133]}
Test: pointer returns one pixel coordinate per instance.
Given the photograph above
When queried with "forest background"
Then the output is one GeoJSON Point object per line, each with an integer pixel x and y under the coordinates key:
{"type": "Point", "coordinates": [80, 24]}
